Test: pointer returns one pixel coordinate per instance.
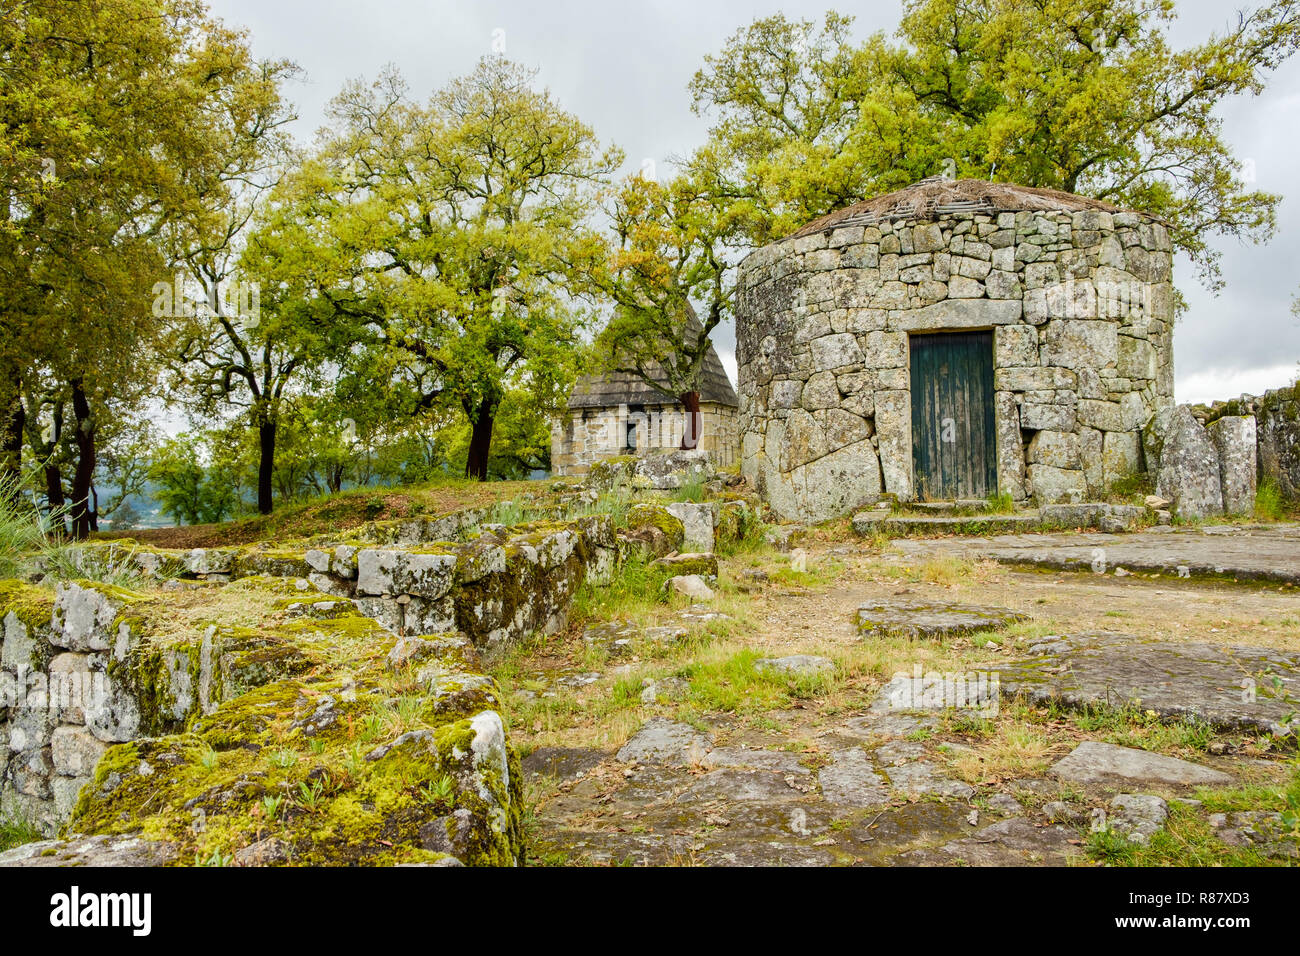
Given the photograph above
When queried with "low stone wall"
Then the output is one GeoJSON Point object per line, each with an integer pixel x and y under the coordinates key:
{"type": "Point", "coordinates": [81, 669]}
{"type": "Point", "coordinates": [94, 676]}
{"type": "Point", "coordinates": [1277, 416]}
{"type": "Point", "coordinates": [497, 588]}
{"type": "Point", "coordinates": [292, 742]}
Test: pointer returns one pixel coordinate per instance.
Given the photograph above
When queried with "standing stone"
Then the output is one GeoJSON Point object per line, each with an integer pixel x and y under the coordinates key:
{"type": "Point", "coordinates": [1189, 468]}
{"type": "Point", "coordinates": [697, 521]}
{"type": "Point", "coordinates": [894, 428]}
{"type": "Point", "coordinates": [1120, 451]}
{"type": "Point", "coordinates": [1234, 440]}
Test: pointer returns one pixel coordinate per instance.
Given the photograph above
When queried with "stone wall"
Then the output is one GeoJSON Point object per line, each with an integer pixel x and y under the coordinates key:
{"type": "Point", "coordinates": [497, 588]}
{"type": "Point", "coordinates": [1277, 416]}
{"type": "Point", "coordinates": [80, 671]}
{"type": "Point", "coordinates": [588, 435]}
{"type": "Point", "coordinates": [315, 737]}
{"type": "Point", "coordinates": [1081, 308]}
{"type": "Point", "coordinates": [83, 668]}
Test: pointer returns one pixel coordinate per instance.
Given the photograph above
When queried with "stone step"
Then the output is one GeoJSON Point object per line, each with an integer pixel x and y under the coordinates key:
{"type": "Point", "coordinates": [961, 504]}
{"type": "Point", "coordinates": [1101, 515]}
{"type": "Point", "coordinates": [867, 522]}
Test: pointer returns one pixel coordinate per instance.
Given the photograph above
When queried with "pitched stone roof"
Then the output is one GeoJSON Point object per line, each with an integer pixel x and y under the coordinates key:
{"type": "Point", "coordinates": [937, 196]}
{"type": "Point", "coordinates": [621, 388]}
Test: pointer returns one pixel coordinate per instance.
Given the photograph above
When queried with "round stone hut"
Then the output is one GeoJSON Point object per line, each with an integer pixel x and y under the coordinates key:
{"type": "Point", "coordinates": [953, 340]}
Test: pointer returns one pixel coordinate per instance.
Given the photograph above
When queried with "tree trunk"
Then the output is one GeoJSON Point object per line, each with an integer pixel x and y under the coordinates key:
{"type": "Point", "coordinates": [480, 441]}
{"type": "Point", "coordinates": [265, 465]}
{"type": "Point", "coordinates": [83, 476]}
{"type": "Point", "coordinates": [692, 425]}
{"type": "Point", "coordinates": [11, 450]}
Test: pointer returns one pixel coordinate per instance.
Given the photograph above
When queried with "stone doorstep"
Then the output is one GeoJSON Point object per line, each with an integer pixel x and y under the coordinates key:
{"type": "Point", "coordinates": [864, 522]}
{"type": "Point", "coordinates": [1103, 515]}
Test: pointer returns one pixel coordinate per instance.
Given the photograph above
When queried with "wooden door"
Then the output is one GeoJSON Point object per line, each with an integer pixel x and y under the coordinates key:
{"type": "Point", "coordinates": [953, 451]}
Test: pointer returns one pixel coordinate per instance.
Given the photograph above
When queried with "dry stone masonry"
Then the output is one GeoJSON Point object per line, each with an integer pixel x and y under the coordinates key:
{"type": "Point", "coordinates": [93, 675]}
{"type": "Point", "coordinates": [1079, 301]}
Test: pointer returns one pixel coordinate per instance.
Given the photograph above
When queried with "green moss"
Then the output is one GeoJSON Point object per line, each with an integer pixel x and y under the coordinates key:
{"type": "Point", "coordinates": [705, 565]}
{"type": "Point", "coordinates": [261, 768]}
{"type": "Point", "coordinates": [648, 516]}
{"type": "Point", "coordinates": [32, 604]}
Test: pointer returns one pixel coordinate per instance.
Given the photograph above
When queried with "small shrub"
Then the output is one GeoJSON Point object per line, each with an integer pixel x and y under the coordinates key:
{"type": "Point", "coordinates": [1002, 503]}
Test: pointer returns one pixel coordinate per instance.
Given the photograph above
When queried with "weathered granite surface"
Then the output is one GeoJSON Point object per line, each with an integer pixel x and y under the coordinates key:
{"type": "Point", "coordinates": [1230, 688]}
{"type": "Point", "coordinates": [1268, 552]}
{"type": "Point", "coordinates": [932, 619]}
{"type": "Point", "coordinates": [1096, 763]}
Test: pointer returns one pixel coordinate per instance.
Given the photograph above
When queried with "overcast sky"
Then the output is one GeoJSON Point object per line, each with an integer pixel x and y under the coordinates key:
{"type": "Point", "coordinates": [623, 69]}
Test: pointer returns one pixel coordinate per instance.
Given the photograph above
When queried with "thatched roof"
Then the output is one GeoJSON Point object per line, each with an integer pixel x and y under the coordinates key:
{"type": "Point", "coordinates": [937, 196]}
{"type": "Point", "coordinates": [621, 388]}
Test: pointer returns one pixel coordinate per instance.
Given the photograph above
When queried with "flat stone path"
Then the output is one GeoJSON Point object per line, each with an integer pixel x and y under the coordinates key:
{"type": "Point", "coordinates": [1230, 688]}
{"type": "Point", "coordinates": [934, 619]}
{"type": "Point", "coordinates": [674, 794]}
{"type": "Point", "coordinates": [1245, 552]}
{"type": "Point", "coordinates": [871, 784]}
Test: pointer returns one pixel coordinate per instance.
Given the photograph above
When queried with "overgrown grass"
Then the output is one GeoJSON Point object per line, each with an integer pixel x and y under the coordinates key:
{"type": "Point", "coordinates": [112, 565]}
{"type": "Point", "coordinates": [15, 832]}
{"type": "Point", "coordinates": [946, 569]}
{"type": "Point", "coordinates": [692, 489]}
{"type": "Point", "coordinates": [1131, 726]}
{"type": "Point", "coordinates": [21, 529]}
{"type": "Point", "coordinates": [637, 586]}
{"type": "Point", "coordinates": [616, 503]}
{"type": "Point", "coordinates": [1001, 503]}
{"type": "Point", "coordinates": [331, 514]}
{"type": "Point", "coordinates": [729, 682]}
{"type": "Point", "coordinates": [1009, 748]}
{"type": "Point", "coordinates": [1131, 489]}
{"type": "Point", "coordinates": [749, 537]}
{"type": "Point", "coordinates": [1188, 839]}
{"type": "Point", "coordinates": [512, 512]}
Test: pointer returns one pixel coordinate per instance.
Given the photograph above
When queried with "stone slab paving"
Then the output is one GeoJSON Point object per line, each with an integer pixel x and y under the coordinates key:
{"type": "Point", "coordinates": [1013, 842]}
{"type": "Point", "coordinates": [1231, 688]}
{"type": "Point", "coordinates": [1100, 764]}
{"type": "Point", "coordinates": [875, 795]}
{"type": "Point", "coordinates": [676, 794]}
{"type": "Point", "coordinates": [934, 619]}
{"type": "Point", "coordinates": [1245, 552]}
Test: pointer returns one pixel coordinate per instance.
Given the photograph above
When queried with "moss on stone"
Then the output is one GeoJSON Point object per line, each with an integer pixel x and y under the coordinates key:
{"type": "Point", "coordinates": [31, 604]}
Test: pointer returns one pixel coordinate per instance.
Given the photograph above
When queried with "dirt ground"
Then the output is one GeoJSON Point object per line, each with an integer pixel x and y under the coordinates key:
{"type": "Point", "coordinates": [794, 769]}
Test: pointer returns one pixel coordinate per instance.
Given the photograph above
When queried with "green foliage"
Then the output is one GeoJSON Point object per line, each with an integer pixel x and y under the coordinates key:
{"type": "Point", "coordinates": [1082, 95]}
{"type": "Point", "coordinates": [1001, 503]}
{"type": "Point", "coordinates": [126, 122]}
{"type": "Point", "coordinates": [187, 490]}
{"type": "Point", "coordinates": [637, 586]}
{"type": "Point", "coordinates": [15, 831]}
{"type": "Point", "coordinates": [450, 239]}
{"type": "Point", "coordinates": [21, 531]}
{"type": "Point", "coordinates": [691, 489]}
